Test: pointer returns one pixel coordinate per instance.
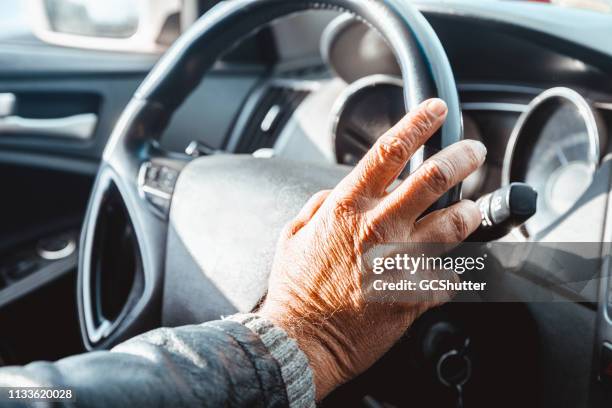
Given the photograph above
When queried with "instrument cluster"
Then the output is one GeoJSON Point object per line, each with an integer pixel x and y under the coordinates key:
{"type": "Point", "coordinates": [555, 145]}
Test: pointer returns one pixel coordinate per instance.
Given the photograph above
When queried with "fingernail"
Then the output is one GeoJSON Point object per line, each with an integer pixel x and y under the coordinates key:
{"type": "Point", "coordinates": [436, 106]}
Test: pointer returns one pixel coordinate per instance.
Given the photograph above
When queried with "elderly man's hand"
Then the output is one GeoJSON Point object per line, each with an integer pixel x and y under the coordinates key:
{"type": "Point", "coordinates": [315, 287]}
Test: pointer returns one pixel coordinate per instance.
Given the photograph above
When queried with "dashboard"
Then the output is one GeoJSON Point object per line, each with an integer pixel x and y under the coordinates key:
{"type": "Point", "coordinates": [549, 134]}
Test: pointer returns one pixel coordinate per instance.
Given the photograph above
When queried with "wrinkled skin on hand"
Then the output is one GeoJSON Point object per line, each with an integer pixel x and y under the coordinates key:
{"type": "Point", "coordinates": [315, 287]}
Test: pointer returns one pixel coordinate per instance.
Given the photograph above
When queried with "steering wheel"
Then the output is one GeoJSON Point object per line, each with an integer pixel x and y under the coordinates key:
{"type": "Point", "coordinates": [170, 241]}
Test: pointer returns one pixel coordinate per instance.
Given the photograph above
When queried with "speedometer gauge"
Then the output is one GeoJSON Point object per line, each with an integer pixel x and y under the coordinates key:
{"type": "Point", "coordinates": [555, 148]}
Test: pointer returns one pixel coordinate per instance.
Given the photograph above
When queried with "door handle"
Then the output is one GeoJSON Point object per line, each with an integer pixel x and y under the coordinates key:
{"type": "Point", "coordinates": [77, 127]}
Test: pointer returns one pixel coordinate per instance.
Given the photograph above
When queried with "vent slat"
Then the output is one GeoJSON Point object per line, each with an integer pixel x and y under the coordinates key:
{"type": "Point", "coordinates": [283, 102]}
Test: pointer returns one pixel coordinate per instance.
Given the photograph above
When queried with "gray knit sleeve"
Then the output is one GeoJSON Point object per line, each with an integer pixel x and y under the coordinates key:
{"type": "Point", "coordinates": [295, 370]}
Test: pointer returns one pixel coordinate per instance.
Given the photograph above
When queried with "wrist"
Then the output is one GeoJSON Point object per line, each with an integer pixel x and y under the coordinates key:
{"type": "Point", "coordinates": [322, 351]}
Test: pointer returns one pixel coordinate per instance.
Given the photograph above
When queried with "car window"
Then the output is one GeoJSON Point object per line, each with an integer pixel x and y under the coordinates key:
{"type": "Point", "coordinates": [140, 26]}
{"type": "Point", "coordinates": [109, 18]}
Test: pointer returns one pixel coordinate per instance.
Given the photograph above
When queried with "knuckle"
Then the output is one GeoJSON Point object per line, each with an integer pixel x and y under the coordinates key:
{"type": "Point", "coordinates": [394, 149]}
{"type": "Point", "coordinates": [421, 124]}
{"type": "Point", "coordinates": [459, 225]}
{"type": "Point", "coordinates": [437, 175]}
{"type": "Point", "coordinates": [372, 232]}
{"type": "Point", "coordinates": [346, 207]}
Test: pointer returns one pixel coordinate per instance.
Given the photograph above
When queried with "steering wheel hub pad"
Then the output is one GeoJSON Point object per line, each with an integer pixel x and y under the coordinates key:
{"type": "Point", "coordinates": [242, 204]}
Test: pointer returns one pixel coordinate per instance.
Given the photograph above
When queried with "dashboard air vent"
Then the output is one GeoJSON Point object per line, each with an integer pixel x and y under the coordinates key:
{"type": "Point", "coordinates": [274, 110]}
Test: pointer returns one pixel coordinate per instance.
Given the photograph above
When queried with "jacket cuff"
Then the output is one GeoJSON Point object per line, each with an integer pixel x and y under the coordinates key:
{"type": "Point", "coordinates": [295, 370]}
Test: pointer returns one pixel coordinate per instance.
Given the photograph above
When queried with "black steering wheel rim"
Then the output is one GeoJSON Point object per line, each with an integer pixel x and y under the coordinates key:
{"type": "Point", "coordinates": [426, 73]}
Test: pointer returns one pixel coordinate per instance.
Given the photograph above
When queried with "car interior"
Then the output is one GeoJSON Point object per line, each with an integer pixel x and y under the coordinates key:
{"type": "Point", "coordinates": [147, 189]}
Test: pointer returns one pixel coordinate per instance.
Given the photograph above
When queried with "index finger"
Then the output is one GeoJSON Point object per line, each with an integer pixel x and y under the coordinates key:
{"type": "Point", "coordinates": [389, 155]}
